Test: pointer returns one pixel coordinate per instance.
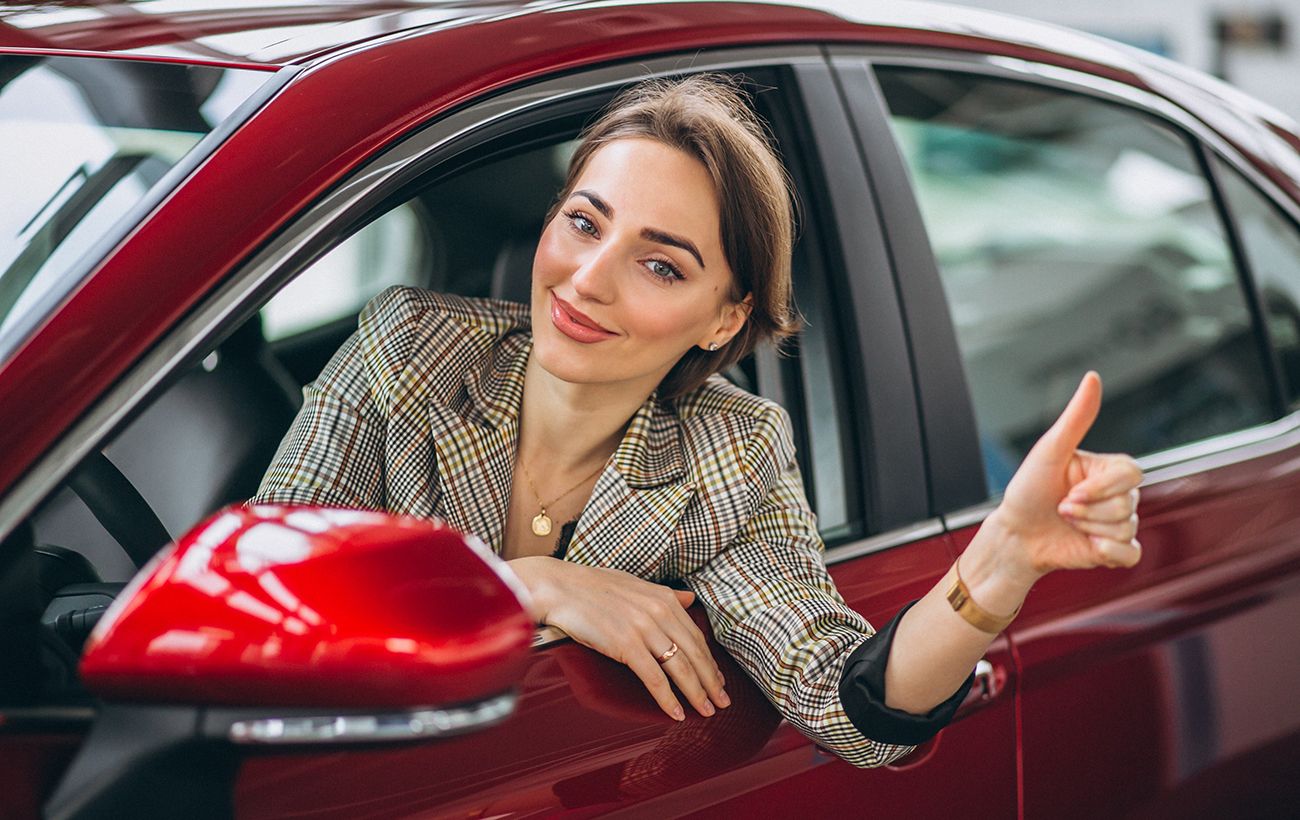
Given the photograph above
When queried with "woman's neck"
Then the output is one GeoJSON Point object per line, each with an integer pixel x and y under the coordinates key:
{"type": "Point", "coordinates": [566, 427]}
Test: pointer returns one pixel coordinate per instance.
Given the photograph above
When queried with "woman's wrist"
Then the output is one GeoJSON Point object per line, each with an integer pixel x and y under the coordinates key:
{"type": "Point", "coordinates": [537, 572]}
{"type": "Point", "coordinates": [995, 569]}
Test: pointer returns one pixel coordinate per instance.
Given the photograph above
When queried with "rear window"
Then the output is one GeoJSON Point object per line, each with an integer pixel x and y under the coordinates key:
{"type": "Point", "coordinates": [87, 146]}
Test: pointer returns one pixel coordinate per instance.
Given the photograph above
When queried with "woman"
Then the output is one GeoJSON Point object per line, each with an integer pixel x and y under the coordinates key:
{"type": "Point", "coordinates": [588, 441]}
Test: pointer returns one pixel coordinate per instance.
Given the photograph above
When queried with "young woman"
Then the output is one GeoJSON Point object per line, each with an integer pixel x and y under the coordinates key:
{"type": "Point", "coordinates": [587, 439]}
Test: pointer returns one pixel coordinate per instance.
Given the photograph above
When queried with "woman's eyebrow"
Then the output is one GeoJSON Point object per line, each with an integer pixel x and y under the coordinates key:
{"type": "Point", "coordinates": [655, 235]}
{"type": "Point", "coordinates": [606, 210]}
{"type": "Point", "coordinates": [652, 234]}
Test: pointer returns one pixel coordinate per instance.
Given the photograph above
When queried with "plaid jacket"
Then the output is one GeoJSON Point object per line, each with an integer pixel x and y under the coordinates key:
{"type": "Point", "coordinates": [418, 414]}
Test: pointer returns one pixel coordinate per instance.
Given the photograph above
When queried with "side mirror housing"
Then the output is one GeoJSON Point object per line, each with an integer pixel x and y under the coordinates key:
{"type": "Point", "coordinates": [306, 607]}
{"type": "Point", "coordinates": [273, 625]}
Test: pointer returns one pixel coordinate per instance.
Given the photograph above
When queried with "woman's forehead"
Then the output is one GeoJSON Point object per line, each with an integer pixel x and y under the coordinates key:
{"type": "Point", "coordinates": [647, 185]}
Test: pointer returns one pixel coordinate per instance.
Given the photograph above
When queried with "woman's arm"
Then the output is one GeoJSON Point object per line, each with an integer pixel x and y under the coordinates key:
{"type": "Point", "coordinates": [333, 453]}
{"type": "Point", "coordinates": [1063, 509]}
{"type": "Point", "coordinates": [632, 621]}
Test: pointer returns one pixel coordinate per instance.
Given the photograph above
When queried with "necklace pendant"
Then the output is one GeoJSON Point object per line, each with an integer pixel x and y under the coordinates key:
{"type": "Point", "coordinates": [541, 524]}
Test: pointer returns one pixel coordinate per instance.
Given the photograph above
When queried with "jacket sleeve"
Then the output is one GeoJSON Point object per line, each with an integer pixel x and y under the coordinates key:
{"type": "Point", "coordinates": [333, 453]}
{"type": "Point", "coordinates": [774, 607]}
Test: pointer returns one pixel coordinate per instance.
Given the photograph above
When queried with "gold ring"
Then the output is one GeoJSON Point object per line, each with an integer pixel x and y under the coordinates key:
{"type": "Point", "coordinates": [668, 653]}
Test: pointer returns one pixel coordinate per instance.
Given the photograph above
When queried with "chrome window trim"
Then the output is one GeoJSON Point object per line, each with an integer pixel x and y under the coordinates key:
{"type": "Point", "coordinates": [928, 528]}
{"type": "Point", "coordinates": [276, 263]}
{"type": "Point", "coordinates": [1179, 462]}
{"type": "Point", "coordinates": [1066, 79]}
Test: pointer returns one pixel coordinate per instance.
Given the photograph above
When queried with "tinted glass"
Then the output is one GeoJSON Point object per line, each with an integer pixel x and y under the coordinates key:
{"type": "Point", "coordinates": [1071, 234]}
{"type": "Point", "coordinates": [82, 142]}
{"type": "Point", "coordinates": [1271, 243]}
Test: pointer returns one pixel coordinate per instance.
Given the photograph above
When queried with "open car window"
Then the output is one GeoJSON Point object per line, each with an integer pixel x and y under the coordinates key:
{"type": "Point", "coordinates": [469, 229]}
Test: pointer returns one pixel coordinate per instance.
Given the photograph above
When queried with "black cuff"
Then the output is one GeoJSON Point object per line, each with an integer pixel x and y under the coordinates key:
{"type": "Point", "coordinates": [862, 691]}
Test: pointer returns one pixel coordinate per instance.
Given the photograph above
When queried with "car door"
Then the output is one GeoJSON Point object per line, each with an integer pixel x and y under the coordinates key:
{"type": "Point", "coordinates": [1072, 223]}
{"type": "Point", "coordinates": [586, 737]}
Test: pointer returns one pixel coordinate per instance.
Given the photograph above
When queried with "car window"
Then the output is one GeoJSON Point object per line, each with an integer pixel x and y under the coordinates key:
{"type": "Point", "coordinates": [84, 142]}
{"type": "Point", "coordinates": [1072, 233]}
{"type": "Point", "coordinates": [1271, 244]}
{"type": "Point", "coordinates": [474, 231]}
{"type": "Point", "coordinates": [393, 250]}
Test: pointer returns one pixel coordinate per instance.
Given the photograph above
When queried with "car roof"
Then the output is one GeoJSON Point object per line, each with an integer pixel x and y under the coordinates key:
{"type": "Point", "coordinates": [259, 32]}
{"type": "Point", "coordinates": [282, 32]}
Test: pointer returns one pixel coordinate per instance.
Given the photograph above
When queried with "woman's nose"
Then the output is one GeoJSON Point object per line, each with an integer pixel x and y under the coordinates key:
{"type": "Point", "coordinates": [594, 278]}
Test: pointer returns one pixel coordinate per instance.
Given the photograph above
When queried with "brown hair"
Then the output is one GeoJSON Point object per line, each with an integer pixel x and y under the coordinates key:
{"type": "Point", "coordinates": [708, 116]}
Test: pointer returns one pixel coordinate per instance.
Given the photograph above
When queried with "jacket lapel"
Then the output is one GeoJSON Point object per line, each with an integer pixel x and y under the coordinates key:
{"type": "Point", "coordinates": [633, 511]}
{"type": "Point", "coordinates": [475, 442]}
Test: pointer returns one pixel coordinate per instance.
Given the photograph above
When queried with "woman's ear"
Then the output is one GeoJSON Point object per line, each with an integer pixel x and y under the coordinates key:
{"type": "Point", "coordinates": [734, 315]}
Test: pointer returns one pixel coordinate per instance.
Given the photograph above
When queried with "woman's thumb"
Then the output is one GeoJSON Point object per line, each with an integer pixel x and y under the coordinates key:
{"type": "Point", "coordinates": [1073, 424]}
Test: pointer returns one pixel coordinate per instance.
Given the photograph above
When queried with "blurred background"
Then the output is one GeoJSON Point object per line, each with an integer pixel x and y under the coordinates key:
{"type": "Point", "coordinates": [1250, 43]}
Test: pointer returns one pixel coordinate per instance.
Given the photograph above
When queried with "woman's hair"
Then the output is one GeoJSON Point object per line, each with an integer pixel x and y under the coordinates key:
{"type": "Point", "coordinates": [708, 117]}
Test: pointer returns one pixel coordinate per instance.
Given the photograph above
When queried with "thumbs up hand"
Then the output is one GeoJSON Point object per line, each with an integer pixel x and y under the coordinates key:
{"type": "Point", "coordinates": [1070, 509]}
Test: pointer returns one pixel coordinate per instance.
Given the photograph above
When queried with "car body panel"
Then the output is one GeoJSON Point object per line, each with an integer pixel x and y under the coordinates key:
{"type": "Point", "coordinates": [586, 739]}
{"type": "Point", "coordinates": [1168, 675]}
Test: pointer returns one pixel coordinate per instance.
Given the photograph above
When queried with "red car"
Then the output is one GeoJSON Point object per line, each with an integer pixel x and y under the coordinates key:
{"type": "Point", "coordinates": [198, 198]}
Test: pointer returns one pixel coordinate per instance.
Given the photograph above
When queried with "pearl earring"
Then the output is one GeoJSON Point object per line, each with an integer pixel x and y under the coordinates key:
{"type": "Point", "coordinates": [713, 346]}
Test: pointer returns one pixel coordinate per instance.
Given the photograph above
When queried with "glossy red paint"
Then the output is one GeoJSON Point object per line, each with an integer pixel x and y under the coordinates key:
{"type": "Point", "coordinates": [250, 35]}
{"type": "Point", "coordinates": [744, 761]}
{"type": "Point", "coordinates": [308, 607]}
{"type": "Point", "coordinates": [1140, 672]}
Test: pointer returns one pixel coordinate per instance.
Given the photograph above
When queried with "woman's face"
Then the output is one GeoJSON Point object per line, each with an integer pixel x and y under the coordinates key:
{"type": "Point", "coordinates": [630, 274]}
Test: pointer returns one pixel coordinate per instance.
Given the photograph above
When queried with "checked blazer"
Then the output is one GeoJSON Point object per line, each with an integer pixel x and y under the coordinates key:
{"type": "Point", "coordinates": [418, 414]}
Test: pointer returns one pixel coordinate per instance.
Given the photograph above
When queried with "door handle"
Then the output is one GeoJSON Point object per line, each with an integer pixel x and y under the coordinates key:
{"type": "Point", "coordinates": [986, 681]}
{"type": "Point", "coordinates": [990, 680]}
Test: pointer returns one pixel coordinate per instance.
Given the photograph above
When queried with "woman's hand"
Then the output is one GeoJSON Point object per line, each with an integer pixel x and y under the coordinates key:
{"type": "Point", "coordinates": [1066, 508]}
{"type": "Point", "coordinates": [632, 621]}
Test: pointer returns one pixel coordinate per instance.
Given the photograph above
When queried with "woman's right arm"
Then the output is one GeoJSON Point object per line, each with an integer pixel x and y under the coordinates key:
{"type": "Point", "coordinates": [332, 455]}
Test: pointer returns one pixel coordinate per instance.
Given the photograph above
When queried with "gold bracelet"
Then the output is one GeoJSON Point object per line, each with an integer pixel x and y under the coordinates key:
{"type": "Point", "coordinates": [961, 602]}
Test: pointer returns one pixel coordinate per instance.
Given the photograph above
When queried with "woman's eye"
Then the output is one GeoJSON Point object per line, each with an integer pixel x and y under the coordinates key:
{"type": "Point", "coordinates": [663, 270]}
{"type": "Point", "coordinates": [582, 223]}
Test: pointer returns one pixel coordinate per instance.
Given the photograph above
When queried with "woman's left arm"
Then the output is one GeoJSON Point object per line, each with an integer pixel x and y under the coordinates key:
{"type": "Point", "coordinates": [1063, 509]}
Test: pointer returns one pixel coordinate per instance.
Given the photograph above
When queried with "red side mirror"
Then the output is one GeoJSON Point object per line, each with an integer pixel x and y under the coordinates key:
{"type": "Point", "coordinates": [308, 607]}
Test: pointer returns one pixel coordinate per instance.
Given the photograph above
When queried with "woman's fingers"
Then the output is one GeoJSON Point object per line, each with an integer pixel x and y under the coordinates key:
{"type": "Point", "coordinates": [1115, 553]}
{"type": "Point", "coordinates": [1108, 475]}
{"type": "Point", "coordinates": [693, 668]}
{"type": "Point", "coordinates": [655, 680]}
{"type": "Point", "coordinates": [635, 622]}
{"type": "Point", "coordinates": [1114, 509]}
{"type": "Point", "coordinates": [1122, 531]}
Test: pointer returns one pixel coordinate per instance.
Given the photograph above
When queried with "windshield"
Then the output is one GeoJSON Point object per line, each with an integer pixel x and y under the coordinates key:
{"type": "Point", "coordinates": [86, 147]}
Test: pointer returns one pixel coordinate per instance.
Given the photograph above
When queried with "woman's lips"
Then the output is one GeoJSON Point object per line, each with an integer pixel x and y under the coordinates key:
{"type": "Point", "coordinates": [572, 323]}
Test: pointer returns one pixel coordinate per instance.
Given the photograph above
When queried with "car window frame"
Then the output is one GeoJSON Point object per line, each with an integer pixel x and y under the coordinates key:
{"type": "Point", "coordinates": [946, 417]}
{"type": "Point", "coordinates": [1211, 160]}
{"type": "Point", "coordinates": [339, 211]}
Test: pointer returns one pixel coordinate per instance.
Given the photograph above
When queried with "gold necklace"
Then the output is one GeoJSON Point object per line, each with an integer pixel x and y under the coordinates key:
{"type": "Point", "coordinates": [542, 523]}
